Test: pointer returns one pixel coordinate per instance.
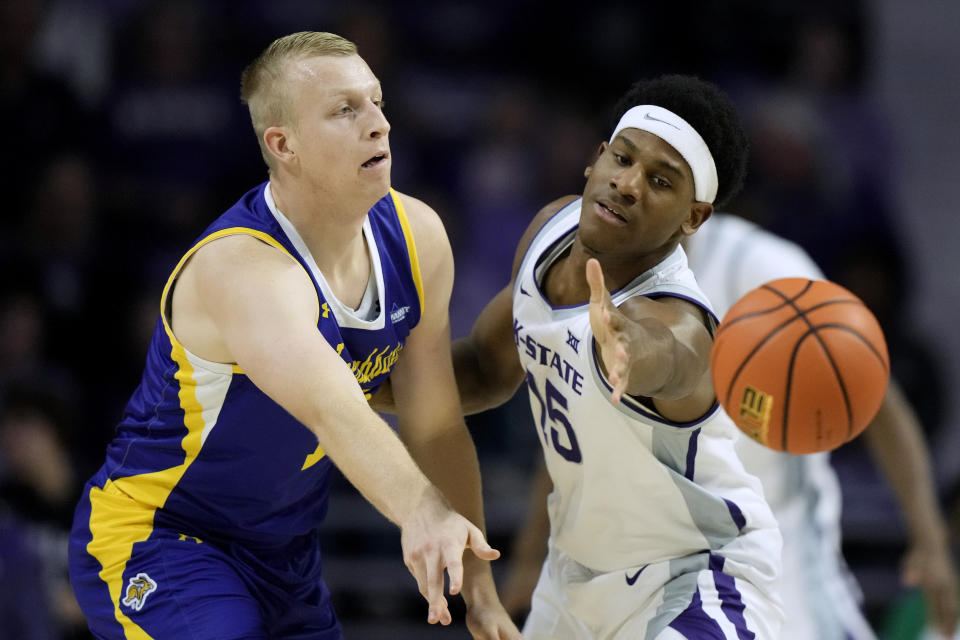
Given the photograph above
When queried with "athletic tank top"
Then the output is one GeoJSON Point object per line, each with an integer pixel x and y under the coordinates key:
{"type": "Point", "coordinates": [201, 450]}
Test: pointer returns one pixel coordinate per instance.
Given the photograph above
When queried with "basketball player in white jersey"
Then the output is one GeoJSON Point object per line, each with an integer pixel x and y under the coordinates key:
{"type": "Point", "coordinates": [656, 530]}
{"type": "Point", "coordinates": [731, 256]}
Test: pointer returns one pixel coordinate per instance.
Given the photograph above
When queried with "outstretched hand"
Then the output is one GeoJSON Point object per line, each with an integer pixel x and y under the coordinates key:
{"type": "Point", "coordinates": [490, 621]}
{"type": "Point", "coordinates": [433, 541]}
{"type": "Point", "coordinates": [609, 330]}
{"type": "Point", "coordinates": [930, 567]}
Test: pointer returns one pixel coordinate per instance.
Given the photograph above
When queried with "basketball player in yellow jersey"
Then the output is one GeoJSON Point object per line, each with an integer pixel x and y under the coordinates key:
{"type": "Point", "coordinates": [294, 304]}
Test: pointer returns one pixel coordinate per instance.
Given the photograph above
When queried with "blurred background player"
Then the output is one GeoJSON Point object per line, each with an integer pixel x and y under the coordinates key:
{"type": "Point", "coordinates": [731, 256]}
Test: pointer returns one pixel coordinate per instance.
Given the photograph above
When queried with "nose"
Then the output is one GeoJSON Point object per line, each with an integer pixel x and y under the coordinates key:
{"type": "Point", "coordinates": [629, 183]}
{"type": "Point", "coordinates": [379, 126]}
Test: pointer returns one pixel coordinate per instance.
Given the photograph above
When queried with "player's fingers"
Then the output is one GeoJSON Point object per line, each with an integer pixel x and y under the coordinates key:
{"type": "Point", "coordinates": [437, 603]}
{"type": "Point", "coordinates": [943, 611]}
{"type": "Point", "coordinates": [453, 559]}
{"type": "Point", "coordinates": [618, 371]}
{"type": "Point", "coordinates": [478, 544]}
{"type": "Point", "coordinates": [598, 290]}
{"type": "Point", "coordinates": [910, 576]}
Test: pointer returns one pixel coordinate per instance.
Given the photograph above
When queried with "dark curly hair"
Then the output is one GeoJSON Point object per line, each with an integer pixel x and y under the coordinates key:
{"type": "Point", "coordinates": [710, 112]}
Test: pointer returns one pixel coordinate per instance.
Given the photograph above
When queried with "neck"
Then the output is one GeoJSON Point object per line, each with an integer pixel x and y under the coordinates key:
{"type": "Point", "coordinates": [618, 270]}
{"type": "Point", "coordinates": [331, 227]}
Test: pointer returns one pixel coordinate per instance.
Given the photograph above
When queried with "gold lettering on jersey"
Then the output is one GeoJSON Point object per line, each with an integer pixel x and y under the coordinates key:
{"type": "Point", "coordinates": [755, 407]}
{"type": "Point", "coordinates": [326, 310]}
{"type": "Point", "coordinates": [377, 363]}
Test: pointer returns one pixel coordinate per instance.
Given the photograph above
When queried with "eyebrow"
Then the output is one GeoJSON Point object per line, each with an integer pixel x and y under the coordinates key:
{"type": "Point", "coordinates": [349, 91]}
{"type": "Point", "coordinates": [663, 164]}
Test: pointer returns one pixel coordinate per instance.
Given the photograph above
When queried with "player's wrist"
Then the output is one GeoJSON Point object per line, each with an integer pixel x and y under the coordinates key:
{"type": "Point", "coordinates": [931, 537]}
{"type": "Point", "coordinates": [417, 504]}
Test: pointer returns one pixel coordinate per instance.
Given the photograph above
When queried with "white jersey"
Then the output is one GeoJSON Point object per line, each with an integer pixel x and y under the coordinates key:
{"type": "Point", "coordinates": [630, 488]}
{"type": "Point", "coordinates": [731, 256]}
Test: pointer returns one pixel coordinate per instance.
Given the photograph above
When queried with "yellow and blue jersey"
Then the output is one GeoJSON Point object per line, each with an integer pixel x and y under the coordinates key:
{"type": "Point", "coordinates": [201, 452]}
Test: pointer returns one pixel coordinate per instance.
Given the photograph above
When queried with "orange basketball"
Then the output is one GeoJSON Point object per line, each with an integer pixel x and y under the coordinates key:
{"type": "Point", "coordinates": [800, 365]}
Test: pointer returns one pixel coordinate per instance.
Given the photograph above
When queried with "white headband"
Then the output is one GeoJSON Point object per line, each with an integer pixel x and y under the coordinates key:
{"type": "Point", "coordinates": [681, 136]}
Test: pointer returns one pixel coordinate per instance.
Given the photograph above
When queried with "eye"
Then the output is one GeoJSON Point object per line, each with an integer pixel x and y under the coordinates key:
{"type": "Point", "coordinates": [380, 103]}
{"type": "Point", "coordinates": [345, 109]}
{"type": "Point", "coordinates": [621, 160]}
{"type": "Point", "coordinates": [661, 182]}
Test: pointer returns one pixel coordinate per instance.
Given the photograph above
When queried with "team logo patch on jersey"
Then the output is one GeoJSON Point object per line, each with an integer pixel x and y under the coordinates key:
{"type": "Point", "coordinates": [398, 313]}
{"type": "Point", "coordinates": [573, 342]}
{"type": "Point", "coordinates": [139, 587]}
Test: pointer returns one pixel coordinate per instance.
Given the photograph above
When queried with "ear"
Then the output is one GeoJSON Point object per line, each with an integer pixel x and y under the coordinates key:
{"type": "Point", "coordinates": [278, 144]}
{"type": "Point", "coordinates": [700, 212]}
{"type": "Point", "coordinates": [596, 156]}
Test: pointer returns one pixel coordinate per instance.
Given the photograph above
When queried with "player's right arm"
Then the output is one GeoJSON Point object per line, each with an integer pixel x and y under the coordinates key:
{"type": "Point", "coordinates": [895, 440]}
{"type": "Point", "coordinates": [246, 302]}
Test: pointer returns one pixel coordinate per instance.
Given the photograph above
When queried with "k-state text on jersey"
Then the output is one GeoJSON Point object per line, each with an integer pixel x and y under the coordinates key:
{"type": "Point", "coordinates": [548, 358]}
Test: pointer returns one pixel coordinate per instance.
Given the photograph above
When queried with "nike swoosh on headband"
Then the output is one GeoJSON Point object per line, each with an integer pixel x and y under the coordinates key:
{"type": "Point", "coordinates": [647, 116]}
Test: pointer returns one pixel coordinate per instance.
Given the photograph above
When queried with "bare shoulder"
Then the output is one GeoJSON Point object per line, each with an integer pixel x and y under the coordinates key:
{"type": "Point", "coordinates": [231, 279]}
{"type": "Point", "coordinates": [535, 225]}
{"type": "Point", "coordinates": [422, 217]}
{"type": "Point", "coordinates": [239, 255]}
{"type": "Point", "coordinates": [430, 236]}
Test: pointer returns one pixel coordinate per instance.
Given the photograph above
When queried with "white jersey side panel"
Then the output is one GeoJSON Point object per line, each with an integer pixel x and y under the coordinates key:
{"type": "Point", "coordinates": [630, 488]}
{"type": "Point", "coordinates": [731, 256]}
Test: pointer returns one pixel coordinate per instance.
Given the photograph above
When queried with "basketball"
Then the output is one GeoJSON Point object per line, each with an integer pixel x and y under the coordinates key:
{"type": "Point", "coordinates": [800, 365]}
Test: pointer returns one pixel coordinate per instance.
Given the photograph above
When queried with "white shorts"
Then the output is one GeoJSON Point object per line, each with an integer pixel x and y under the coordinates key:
{"type": "Point", "coordinates": [689, 598]}
{"type": "Point", "coordinates": [824, 598]}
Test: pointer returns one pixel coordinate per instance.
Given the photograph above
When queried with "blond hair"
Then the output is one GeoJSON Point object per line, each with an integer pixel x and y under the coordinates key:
{"type": "Point", "coordinates": [264, 87]}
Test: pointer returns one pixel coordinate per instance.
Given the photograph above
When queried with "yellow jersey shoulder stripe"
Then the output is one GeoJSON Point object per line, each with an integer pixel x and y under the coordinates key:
{"type": "Point", "coordinates": [230, 231]}
{"type": "Point", "coordinates": [411, 245]}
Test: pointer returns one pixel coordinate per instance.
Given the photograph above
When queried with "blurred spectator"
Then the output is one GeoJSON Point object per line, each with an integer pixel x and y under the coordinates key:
{"type": "Point", "coordinates": [24, 599]}
{"type": "Point", "coordinates": [39, 486]}
{"type": "Point", "coordinates": [176, 129]}
{"type": "Point", "coordinates": [40, 112]}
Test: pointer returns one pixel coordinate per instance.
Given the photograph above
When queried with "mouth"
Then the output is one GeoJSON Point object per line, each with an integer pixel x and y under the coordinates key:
{"type": "Point", "coordinates": [608, 213]}
{"type": "Point", "coordinates": [376, 161]}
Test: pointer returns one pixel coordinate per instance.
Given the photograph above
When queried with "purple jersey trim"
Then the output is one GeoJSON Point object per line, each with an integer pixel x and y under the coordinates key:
{"type": "Point", "coordinates": [736, 514]}
{"type": "Point", "coordinates": [694, 622]}
{"type": "Point", "coordinates": [631, 403]}
{"type": "Point", "coordinates": [691, 454]}
{"type": "Point", "coordinates": [731, 603]}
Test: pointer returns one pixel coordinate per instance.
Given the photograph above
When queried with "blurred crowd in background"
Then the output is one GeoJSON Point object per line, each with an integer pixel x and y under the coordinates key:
{"type": "Point", "coordinates": [123, 137]}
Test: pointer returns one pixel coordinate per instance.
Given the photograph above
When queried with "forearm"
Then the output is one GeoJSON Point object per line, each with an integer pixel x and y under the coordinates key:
{"type": "Point", "coordinates": [450, 461]}
{"type": "Point", "coordinates": [479, 390]}
{"type": "Point", "coordinates": [661, 365]}
{"type": "Point", "coordinates": [530, 545]}
{"type": "Point", "coordinates": [481, 387]}
{"type": "Point", "coordinates": [372, 458]}
{"type": "Point", "coordinates": [897, 445]}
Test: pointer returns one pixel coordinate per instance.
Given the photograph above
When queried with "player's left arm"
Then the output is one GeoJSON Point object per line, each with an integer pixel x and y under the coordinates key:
{"type": "Point", "coordinates": [897, 445]}
{"type": "Point", "coordinates": [430, 418]}
{"type": "Point", "coordinates": [657, 348]}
